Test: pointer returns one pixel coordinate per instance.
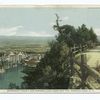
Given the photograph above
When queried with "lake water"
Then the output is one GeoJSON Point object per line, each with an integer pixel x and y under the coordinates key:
{"type": "Point", "coordinates": [12, 75]}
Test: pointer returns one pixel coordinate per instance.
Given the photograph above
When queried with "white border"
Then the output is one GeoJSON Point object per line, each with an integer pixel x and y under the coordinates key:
{"type": "Point", "coordinates": [49, 4]}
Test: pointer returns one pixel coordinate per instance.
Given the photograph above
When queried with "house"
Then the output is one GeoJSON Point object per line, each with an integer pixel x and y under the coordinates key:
{"type": "Point", "coordinates": [31, 63]}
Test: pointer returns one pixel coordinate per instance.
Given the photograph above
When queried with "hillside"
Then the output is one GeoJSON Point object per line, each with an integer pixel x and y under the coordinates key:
{"type": "Point", "coordinates": [23, 40]}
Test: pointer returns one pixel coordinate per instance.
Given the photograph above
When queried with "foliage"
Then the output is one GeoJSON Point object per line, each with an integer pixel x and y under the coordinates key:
{"type": "Point", "coordinates": [13, 86]}
{"type": "Point", "coordinates": [53, 71]}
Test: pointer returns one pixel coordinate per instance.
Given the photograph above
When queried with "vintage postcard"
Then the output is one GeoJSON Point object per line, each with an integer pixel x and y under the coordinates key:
{"type": "Point", "coordinates": [49, 48]}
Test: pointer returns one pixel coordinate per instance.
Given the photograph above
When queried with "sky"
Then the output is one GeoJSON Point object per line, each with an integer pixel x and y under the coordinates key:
{"type": "Point", "coordinates": [39, 21]}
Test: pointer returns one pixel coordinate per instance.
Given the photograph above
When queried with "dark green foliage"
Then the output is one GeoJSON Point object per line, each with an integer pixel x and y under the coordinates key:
{"type": "Point", "coordinates": [13, 86]}
{"type": "Point", "coordinates": [80, 36]}
{"type": "Point", "coordinates": [67, 34]}
{"type": "Point", "coordinates": [93, 36]}
{"type": "Point", "coordinates": [53, 71]}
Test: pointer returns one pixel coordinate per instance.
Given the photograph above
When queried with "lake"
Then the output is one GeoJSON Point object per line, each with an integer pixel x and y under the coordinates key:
{"type": "Point", "coordinates": [12, 75]}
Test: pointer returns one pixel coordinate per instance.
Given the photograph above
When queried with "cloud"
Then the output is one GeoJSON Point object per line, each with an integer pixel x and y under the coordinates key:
{"type": "Point", "coordinates": [20, 31]}
{"type": "Point", "coordinates": [9, 31]}
{"type": "Point", "coordinates": [36, 34]}
{"type": "Point", "coordinates": [65, 18]}
{"type": "Point", "coordinates": [97, 31]}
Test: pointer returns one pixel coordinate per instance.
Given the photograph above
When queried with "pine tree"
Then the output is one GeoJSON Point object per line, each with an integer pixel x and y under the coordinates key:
{"type": "Point", "coordinates": [53, 71]}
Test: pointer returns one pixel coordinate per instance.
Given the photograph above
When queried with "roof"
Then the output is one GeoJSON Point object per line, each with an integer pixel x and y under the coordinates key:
{"type": "Point", "coordinates": [31, 61]}
{"type": "Point", "coordinates": [11, 54]}
{"type": "Point", "coordinates": [20, 53]}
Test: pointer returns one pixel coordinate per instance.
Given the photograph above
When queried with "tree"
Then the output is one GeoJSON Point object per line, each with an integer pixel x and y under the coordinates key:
{"type": "Point", "coordinates": [54, 70]}
{"type": "Point", "coordinates": [92, 35]}
{"type": "Point", "coordinates": [13, 86]}
{"type": "Point", "coordinates": [51, 70]}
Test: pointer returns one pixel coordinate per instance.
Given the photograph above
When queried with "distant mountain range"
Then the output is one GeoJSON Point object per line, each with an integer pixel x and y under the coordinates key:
{"type": "Point", "coordinates": [23, 40]}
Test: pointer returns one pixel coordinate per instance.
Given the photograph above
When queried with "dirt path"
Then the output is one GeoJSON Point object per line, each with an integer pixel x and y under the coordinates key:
{"type": "Point", "coordinates": [93, 56]}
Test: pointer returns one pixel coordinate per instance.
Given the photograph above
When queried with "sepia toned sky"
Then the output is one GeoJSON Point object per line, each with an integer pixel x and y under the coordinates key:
{"type": "Point", "coordinates": [39, 21]}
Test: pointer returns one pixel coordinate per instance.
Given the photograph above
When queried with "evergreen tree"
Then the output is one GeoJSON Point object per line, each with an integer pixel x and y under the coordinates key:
{"type": "Point", "coordinates": [53, 71]}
